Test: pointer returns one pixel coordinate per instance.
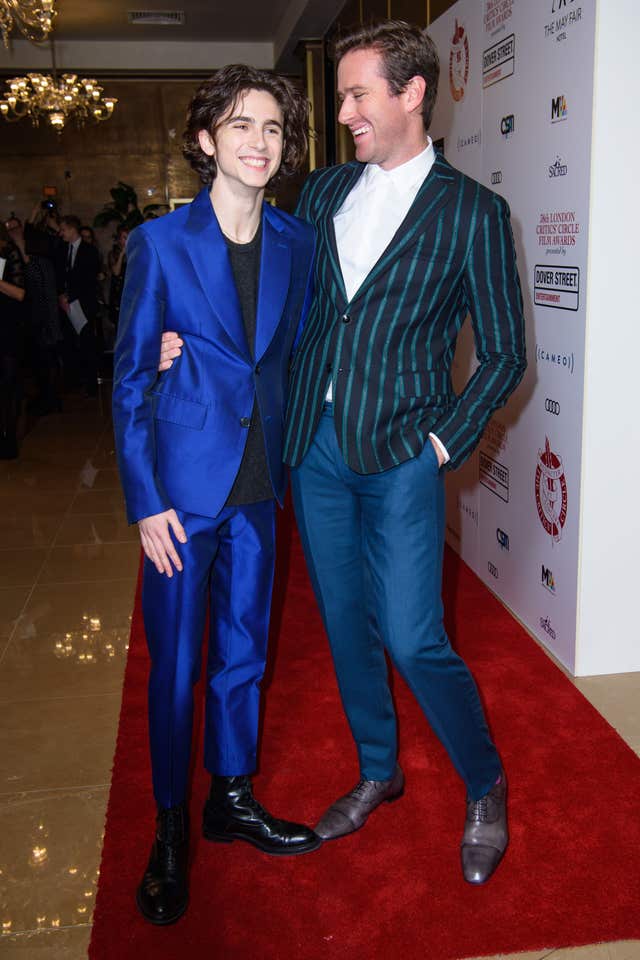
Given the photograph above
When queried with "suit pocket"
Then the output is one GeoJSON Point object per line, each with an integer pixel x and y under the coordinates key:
{"type": "Point", "coordinates": [186, 413]}
{"type": "Point", "coordinates": [433, 385]}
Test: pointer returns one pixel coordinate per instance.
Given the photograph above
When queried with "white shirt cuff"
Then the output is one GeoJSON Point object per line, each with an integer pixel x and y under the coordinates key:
{"type": "Point", "coordinates": [441, 447]}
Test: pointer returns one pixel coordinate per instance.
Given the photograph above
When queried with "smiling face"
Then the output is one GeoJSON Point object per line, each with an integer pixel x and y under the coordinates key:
{"type": "Point", "coordinates": [387, 129]}
{"type": "Point", "coordinates": [247, 144]}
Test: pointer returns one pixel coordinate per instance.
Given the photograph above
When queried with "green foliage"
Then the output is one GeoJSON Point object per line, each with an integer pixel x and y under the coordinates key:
{"type": "Point", "coordinates": [123, 209]}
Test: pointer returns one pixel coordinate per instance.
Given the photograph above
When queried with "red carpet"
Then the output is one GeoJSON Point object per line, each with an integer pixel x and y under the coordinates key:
{"type": "Point", "coordinates": [394, 890]}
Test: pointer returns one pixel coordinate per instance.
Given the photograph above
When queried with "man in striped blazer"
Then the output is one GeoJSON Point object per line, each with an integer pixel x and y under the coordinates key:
{"type": "Point", "coordinates": [406, 248]}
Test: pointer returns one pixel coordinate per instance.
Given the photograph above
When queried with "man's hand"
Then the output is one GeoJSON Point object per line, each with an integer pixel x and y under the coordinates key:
{"type": "Point", "coordinates": [63, 302]}
{"type": "Point", "coordinates": [157, 542]}
{"type": "Point", "coordinates": [170, 348]}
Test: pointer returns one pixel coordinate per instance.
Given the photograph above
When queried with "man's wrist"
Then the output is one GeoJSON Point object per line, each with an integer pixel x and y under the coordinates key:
{"type": "Point", "coordinates": [440, 449]}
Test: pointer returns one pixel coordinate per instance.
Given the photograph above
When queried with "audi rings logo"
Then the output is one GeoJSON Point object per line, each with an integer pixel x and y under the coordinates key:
{"type": "Point", "coordinates": [552, 406]}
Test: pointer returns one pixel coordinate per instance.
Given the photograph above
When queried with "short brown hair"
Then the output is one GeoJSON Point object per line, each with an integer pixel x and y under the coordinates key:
{"type": "Point", "coordinates": [406, 52]}
{"type": "Point", "coordinates": [72, 221]}
{"type": "Point", "coordinates": [218, 95]}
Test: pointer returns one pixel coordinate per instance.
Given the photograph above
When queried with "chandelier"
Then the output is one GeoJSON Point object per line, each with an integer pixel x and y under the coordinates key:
{"type": "Point", "coordinates": [34, 18]}
{"type": "Point", "coordinates": [55, 100]}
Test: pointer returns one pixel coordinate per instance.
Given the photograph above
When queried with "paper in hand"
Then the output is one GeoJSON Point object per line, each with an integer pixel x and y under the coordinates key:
{"type": "Point", "coordinates": [77, 317]}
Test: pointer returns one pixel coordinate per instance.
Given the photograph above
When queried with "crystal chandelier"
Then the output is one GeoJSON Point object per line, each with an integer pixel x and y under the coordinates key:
{"type": "Point", "coordinates": [34, 18]}
{"type": "Point", "coordinates": [55, 100]}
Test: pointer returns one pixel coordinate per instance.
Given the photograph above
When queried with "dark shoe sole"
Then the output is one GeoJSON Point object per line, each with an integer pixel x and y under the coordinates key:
{"type": "Point", "coordinates": [163, 921]}
{"type": "Point", "coordinates": [309, 847]}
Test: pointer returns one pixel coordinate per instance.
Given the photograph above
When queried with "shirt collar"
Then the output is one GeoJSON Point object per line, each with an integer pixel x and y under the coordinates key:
{"type": "Point", "coordinates": [76, 244]}
{"type": "Point", "coordinates": [406, 176]}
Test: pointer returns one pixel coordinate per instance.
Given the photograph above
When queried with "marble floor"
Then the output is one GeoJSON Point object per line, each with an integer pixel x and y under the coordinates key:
{"type": "Point", "coordinates": [68, 562]}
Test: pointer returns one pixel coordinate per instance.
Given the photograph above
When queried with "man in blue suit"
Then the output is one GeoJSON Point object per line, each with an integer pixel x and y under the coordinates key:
{"type": "Point", "coordinates": [200, 455]}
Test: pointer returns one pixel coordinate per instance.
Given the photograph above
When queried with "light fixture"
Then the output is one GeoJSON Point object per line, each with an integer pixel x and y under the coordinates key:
{"type": "Point", "coordinates": [55, 100]}
{"type": "Point", "coordinates": [34, 18]}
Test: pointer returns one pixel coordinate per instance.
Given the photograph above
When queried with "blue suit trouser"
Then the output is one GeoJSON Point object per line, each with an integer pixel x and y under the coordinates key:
{"type": "Point", "coordinates": [227, 566]}
{"type": "Point", "coordinates": [374, 548]}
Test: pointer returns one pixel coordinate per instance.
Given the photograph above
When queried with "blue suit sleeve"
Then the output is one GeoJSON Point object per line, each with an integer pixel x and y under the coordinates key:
{"type": "Point", "coordinates": [137, 355]}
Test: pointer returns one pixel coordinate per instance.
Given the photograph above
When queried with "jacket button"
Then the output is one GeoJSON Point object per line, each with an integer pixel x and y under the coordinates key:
{"type": "Point", "coordinates": [257, 370]}
{"type": "Point", "coordinates": [245, 421]}
{"type": "Point", "coordinates": [345, 318]}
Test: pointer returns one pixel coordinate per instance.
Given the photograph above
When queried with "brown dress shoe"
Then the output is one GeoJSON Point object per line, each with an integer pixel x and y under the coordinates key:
{"type": "Point", "coordinates": [486, 835]}
{"type": "Point", "coordinates": [350, 812]}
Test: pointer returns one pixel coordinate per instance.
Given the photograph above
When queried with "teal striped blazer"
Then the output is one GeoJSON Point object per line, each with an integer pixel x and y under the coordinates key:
{"type": "Point", "coordinates": [390, 348]}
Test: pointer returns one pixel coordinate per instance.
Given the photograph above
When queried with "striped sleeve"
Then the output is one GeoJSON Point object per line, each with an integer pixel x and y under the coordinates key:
{"type": "Point", "coordinates": [494, 301]}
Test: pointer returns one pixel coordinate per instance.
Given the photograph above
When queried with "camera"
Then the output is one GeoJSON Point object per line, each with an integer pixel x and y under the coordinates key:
{"type": "Point", "coordinates": [49, 205]}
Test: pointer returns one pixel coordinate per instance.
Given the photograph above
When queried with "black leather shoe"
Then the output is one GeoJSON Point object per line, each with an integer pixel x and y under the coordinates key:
{"type": "Point", "coordinates": [163, 894]}
{"type": "Point", "coordinates": [233, 813]}
{"type": "Point", "coordinates": [486, 835]}
{"type": "Point", "coordinates": [351, 812]}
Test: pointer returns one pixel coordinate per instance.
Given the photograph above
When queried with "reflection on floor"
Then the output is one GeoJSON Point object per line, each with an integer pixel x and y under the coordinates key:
{"type": "Point", "coordinates": [68, 562]}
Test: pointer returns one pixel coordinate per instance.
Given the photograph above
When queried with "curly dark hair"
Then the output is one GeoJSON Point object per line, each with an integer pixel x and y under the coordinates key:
{"type": "Point", "coordinates": [217, 96]}
{"type": "Point", "coordinates": [406, 50]}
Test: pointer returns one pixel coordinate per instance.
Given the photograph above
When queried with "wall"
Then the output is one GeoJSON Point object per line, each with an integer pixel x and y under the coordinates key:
{"type": "Point", "coordinates": [140, 144]}
{"type": "Point", "coordinates": [610, 520]}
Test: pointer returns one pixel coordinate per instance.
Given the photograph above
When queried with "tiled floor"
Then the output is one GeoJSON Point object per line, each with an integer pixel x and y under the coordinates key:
{"type": "Point", "coordinates": [67, 576]}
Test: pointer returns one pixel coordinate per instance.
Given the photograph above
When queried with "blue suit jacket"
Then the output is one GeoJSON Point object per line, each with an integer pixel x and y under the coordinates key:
{"type": "Point", "coordinates": [180, 435]}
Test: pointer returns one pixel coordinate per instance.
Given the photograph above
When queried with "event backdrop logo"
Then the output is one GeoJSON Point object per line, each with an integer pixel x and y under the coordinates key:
{"type": "Point", "coordinates": [559, 109]}
{"type": "Point", "coordinates": [507, 125]}
{"type": "Point", "coordinates": [557, 169]}
{"type": "Point", "coordinates": [551, 492]}
{"type": "Point", "coordinates": [566, 361]}
{"type": "Point", "coordinates": [559, 288]}
{"type": "Point", "coordinates": [568, 15]}
{"type": "Point", "coordinates": [557, 229]}
{"type": "Point", "coordinates": [547, 580]}
{"type": "Point", "coordinates": [494, 476]}
{"type": "Point", "coordinates": [496, 14]}
{"type": "Point", "coordinates": [498, 61]}
{"type": "Point", "coordinates": [503, 539]}
{"type": "Point", "coordinates": [458, 62]}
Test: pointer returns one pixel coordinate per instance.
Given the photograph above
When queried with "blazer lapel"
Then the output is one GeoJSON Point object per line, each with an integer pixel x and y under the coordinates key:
{"type": "Point", "coordinates": [275, 274]}
{"type": "Point", "coordinates": [208, 253]}
{"type": "Point", "coordinates": [434, 194]}
{"type": "Point", "coordinates": [349, 174]}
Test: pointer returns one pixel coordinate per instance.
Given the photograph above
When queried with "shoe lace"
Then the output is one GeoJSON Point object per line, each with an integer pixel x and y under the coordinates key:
{"type": "Point", "coordinates": [479, 811]}
{"type": "Point", "coordinates": [360, 788]}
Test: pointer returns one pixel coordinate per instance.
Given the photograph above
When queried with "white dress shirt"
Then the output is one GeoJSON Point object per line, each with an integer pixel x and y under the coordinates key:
{"type": "Point", "coordinates": [74, 250]}
{"type": "Point", "coordinates": [368, 219]}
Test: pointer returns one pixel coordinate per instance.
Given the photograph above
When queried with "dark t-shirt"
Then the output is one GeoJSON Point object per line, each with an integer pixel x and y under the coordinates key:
{"type": "Point", "coordinates": [252, 482]}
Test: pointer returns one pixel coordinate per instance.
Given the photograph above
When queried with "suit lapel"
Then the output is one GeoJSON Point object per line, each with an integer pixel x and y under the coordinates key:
{"type": "Point", "coordinates": [275, 274]}
{"type": "Point", "coordinates": [208, 253]}
{"type": "Point", "coordinates": [434, 194]}
{"type": "Point", "coordinates": [348, 176]}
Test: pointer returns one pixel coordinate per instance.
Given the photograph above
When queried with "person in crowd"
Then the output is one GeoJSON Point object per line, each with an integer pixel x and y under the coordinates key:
{"type": "Point", "coordinates": [11, 341]}
{"type": "Point", "coordinates": [78, 285]}
{"type": "Point", "coordinates": [42, 322]}
{"type": "Point", "coordinates": [200, 455]}
{"type": "Point", "coordinates": [117, 264]}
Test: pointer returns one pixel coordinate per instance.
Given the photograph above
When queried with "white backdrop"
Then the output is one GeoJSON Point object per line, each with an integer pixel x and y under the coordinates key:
{"type": "Point", "coordinates": [515, 112]}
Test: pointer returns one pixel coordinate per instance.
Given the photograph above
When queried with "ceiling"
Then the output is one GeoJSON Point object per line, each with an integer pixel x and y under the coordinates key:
{"type": "Point", "coordinates": [96, 34]}
{"type": "Point", "coordinates": [214, 20]}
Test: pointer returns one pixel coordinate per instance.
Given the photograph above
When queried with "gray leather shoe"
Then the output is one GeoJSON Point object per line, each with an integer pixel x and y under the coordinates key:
{"type": "Point", "coordinates": [350, 812]}
{"type": "Point", "coordinates": [486, 835]}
